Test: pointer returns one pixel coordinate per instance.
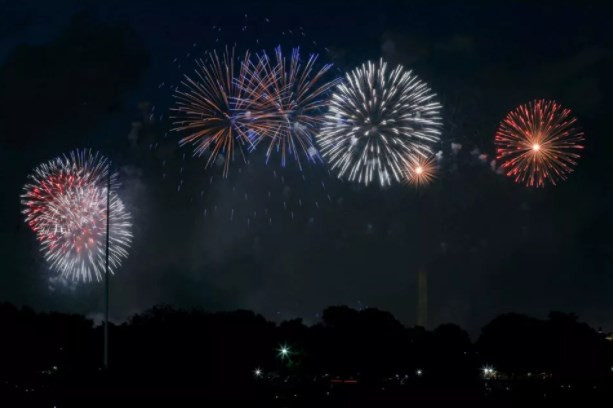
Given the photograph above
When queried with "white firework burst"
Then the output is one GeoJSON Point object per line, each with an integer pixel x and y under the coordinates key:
{"type": "Point", "coordinates": [379, 121]}
{"type": "Point", "coordinates": [65, 204]}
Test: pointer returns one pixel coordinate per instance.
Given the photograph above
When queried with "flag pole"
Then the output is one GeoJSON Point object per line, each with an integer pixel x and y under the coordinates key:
{"type": "Point", "coordinates": [106, 271]}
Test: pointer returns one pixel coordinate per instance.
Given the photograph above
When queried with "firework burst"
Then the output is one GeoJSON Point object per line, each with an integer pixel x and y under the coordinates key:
{"type": "Point", "coordinates": [290, 95]}
{"type": "Point", "coordinates": [211, 107]}
{"type": "Point", "coordinates": [539, 143]}
{"type": "Point", "coordinates": [378, 122]}
{"type": "Point", "coordinates": [65, 204]}
{"type": "Point", "coordinates": [421, 171]}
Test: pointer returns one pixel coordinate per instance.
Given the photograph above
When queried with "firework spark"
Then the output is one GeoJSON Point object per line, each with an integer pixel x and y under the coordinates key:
{"type": "Point", "coordinates": [290, 95]}
{"type": "Point", "coordinates": [378, 122]}
{"type": "Point", "coordinates": [421, 171]}
{"type": "Point", "coordinates": [211, 107]}
{"type": "Point", "coordinates": [65, 204]}
{"type": "Point", "coordinates": [539, 143]}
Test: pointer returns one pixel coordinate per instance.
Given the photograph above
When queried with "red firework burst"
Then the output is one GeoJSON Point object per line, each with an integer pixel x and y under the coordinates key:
{"type": "Point", "coordinates": [539, 143]}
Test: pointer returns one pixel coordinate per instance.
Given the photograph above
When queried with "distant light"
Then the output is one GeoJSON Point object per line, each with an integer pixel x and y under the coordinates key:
{"type": "Point", "coordinates": [488, 372]}
{"type": "Point", "coordinates": [257, 372]}
{"type": "Point", "coordinates": [419, 169]}
{"type": "Point", "coordinates": [536, 147]}
{"type": "Point", "coordinates": [419, 372]}
{"type": "Point", "coordinates": [284, 351]}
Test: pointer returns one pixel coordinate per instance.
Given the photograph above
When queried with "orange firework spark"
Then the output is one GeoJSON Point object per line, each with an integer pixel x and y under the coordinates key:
{"type": "Point", "coordinates": [421, 171]}
{"type": "Point", "coordinates": [539, 142]}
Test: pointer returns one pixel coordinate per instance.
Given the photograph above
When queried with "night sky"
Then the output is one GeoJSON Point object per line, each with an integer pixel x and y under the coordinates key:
{"type": "Point", "coordinates": [287, 243]}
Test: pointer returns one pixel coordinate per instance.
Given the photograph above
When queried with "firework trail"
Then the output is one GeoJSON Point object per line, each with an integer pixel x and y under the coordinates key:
{"type": "Point", "coordinates": [538, 143]}
{"type": "Point", "coordinates": [65, 204]}
{"type": "Point", "coordinates": [290, 95]}
{"type": "Point", "coordinates": [378, 122]}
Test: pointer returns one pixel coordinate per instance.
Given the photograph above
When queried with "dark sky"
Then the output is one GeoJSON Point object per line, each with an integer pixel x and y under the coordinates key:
{"type": "Point", "coordinates": [91, 73]}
